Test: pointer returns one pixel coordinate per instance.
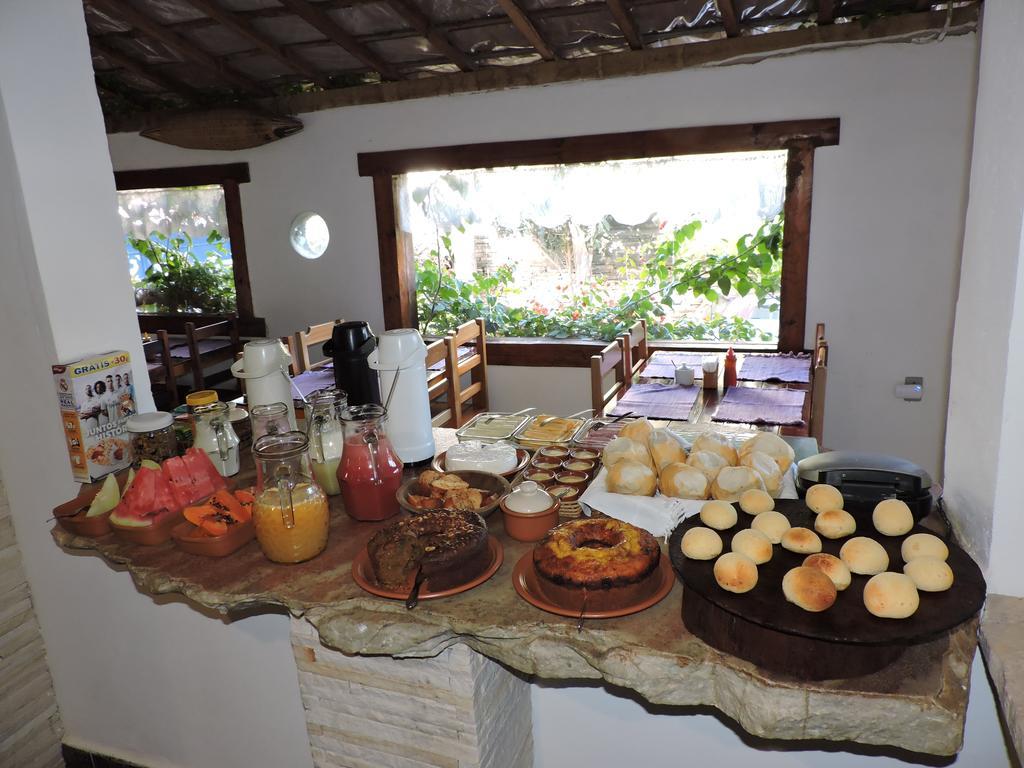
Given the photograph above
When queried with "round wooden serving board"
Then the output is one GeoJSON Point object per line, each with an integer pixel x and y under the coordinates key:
{"type": "Point", "coordinates": [846, 623]}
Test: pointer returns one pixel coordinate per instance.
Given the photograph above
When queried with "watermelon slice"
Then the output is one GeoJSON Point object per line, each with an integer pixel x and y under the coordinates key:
{"type": "Point", "coordinates": [147, 501]}
{"type": "Point", "coordinates": [199, 465]}
{"type": "Point", "coordinates": [180, 480]}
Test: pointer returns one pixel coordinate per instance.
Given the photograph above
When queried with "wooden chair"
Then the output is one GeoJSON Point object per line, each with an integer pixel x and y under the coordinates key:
{"type": "Point", "coordinates": [819, 378]}
{"type": "Point", "coordinates": [475, 332]}
{"type": "Point", "coordinates": [635, 352]}
{"type": "Point", "coordinates": [610, 360]}
{"type": "Point", "coordinates": [200, 362]}
{"type": "Point", "coordinates": [303, 340]}
{"type": "Point", "coordinates": [441, 384]}
{"type": "Point", "coordinates": [163, 370]}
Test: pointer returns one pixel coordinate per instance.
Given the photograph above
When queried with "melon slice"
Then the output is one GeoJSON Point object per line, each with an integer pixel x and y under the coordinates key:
{"type": "Point", "coordinates": [106, 499]}
{"type": "Point", "coordinates": [150, 464]}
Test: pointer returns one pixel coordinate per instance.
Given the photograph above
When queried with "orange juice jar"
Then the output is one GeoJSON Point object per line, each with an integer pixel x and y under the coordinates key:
{"type": "Point", "coordinates": [290, 513]}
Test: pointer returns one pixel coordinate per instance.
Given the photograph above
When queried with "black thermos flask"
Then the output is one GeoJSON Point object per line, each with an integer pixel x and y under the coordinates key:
{"type": "Point", "coordinates": [350, 346]}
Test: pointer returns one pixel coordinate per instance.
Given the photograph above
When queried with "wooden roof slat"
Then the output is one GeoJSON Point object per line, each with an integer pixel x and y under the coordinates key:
{"type": "Point", "coordinates": [140, 69]}
{"type": "Point", "coordinates": [245, 28]}
{"type": "Point", "coordinates": [329, 28]}
{"type": "Point", "coordinates": [625, 22]}
{"type": "Point", "coordinates": [826, 11]}
{"type": "Point", "coordinates": [730, 21]}
{"type": "Point", "coordinates": [435, 37]}
{"type": "Point", "coordinates": [527, 29]}
{"type": "Point", "coordinates": [180, 45]}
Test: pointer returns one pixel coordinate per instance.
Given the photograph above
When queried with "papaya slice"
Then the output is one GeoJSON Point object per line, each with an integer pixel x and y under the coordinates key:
{"type": "Point", "coordinates": [245, 498]}
{"type": "Point", "coordinates": [227, 504]}
{"type": "Point", "coordinates": [196, 515]}
{"type": "Point", "coordinates": [214, 527]}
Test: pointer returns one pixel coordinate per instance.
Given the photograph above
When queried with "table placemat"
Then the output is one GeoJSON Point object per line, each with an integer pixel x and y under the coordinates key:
{"type": "Point", "coordinates": [761, 405]}
{"type": "Point", "coordinates": [662, 364]}
{"type": "Point", "coordinates": [181, 351]}
{"type": "Point", "coordinates": [790, 367]}
{"type": "Point", "coordinates": [657, 401]}
{"type": "Point", "coordinates": [308, 382]}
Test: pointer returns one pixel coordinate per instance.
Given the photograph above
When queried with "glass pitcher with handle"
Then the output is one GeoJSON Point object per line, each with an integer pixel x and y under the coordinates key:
{"type": "Point", "coordinates": [290, 511]}
{"type": "Point", "coordinates": [327, 436]}
{"type": "Point", "coordinates": [370, 472]}
{"type": "Point", "coordinates": [215, 435]}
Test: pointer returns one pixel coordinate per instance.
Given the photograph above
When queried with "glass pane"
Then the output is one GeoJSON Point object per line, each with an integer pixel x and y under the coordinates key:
{"type": "Point", "coordinates": [691, 243]}
{"type": "Point", "coordinates": [179, 254]}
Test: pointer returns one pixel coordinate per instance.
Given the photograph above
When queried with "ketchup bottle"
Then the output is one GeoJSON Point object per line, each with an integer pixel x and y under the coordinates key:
{"type": "Point", "coordinates": [730, 368]}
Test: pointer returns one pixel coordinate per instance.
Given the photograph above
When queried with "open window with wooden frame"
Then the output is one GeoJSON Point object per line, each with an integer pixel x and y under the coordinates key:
{"type": "Point", "coordinates": [671, 272]}
{"type": "Point", "coordinates": [186, 245]}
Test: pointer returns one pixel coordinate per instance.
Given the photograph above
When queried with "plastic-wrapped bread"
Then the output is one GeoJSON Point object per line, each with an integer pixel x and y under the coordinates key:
{"type": "Point", "coordinates": [683, 482]}
{"type": "Point", "coordinates": [707, 462]}
{"type": "Point", "coordinates": [773, 445]}
{"type": "Point", "coordinates": [622, 448]}
{"type": "Point", "coordinates": [666, 448]}
{"type": "Point", "coordinates": [639, 430]}
{"type": "Point", "coordinates": [716, 442]}
{"type": "Point", "coordinates": [731, 482]}
{"type": "Point", "coordinates": [632, 478]}
{"type": "Point", "coordinates": [766, 467]}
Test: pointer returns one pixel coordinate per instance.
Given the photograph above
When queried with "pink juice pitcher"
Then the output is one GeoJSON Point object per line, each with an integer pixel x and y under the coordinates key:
{"type": "Point", "coordinates": [370, 471]}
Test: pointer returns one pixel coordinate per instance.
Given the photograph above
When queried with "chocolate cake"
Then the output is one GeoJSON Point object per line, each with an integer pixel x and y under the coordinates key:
{"type": "Point", "coordinates": [450, 546]}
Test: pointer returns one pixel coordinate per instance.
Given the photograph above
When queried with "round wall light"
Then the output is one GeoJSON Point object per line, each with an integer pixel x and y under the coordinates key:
{"type": "Point", "coordinates": [309, 235]}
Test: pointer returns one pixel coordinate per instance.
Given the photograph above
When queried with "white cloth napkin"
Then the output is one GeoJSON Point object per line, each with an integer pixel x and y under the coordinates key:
{"type": "Point", "coordinates": [658, 515]}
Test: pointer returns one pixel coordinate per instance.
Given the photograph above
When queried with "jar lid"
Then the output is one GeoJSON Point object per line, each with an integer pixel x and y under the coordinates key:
{"type": "Point", "coordinates": [149, 422]}
{"type": "Point", "coordinates": [201, 397]}
{"type": "Point", "coordinates": [528, 497]}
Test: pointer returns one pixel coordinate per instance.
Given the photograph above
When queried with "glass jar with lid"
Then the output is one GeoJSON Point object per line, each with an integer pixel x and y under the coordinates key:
{"type": "Point", "coordinates": [152, 437]}
{"type": "Point", "coordinates": [327, 436]}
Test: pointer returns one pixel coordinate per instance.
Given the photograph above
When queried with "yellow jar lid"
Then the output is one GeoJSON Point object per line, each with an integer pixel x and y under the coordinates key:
{"type": "Point", "coordinates": [202, 397]}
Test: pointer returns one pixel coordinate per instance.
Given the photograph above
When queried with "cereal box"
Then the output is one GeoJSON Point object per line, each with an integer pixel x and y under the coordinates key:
{"type": "Point", "coordinates": [96, 396]}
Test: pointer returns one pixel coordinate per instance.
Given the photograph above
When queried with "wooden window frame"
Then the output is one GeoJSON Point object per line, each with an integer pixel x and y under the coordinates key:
{"type": "Point", "coordinates": [229, 176]}
{"type": "Point", "coordinates": [798, 137]}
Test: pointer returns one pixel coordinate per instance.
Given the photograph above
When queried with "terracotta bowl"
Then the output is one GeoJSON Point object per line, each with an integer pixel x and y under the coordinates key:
{"type": "Point", "coordinates": [572, 477]}
{"type": "Point", "coordinates": [558, 452]}
{"type": "Point", "coordinates": [549, 463]}
{"type": "Point", "coordinates": [71, 514]}
{"type": "Point", "coordinates": [484, 481]}
{"type": "Point", "coordinates": [238, 535]}
{"type": "Point", "coordinates": [530, 526]}
{"type": "Point", "coordinates": [567, 494]}
{"type": "Point", "coordinates": [151, 535]}
{"type": "Point", "coordinates": [573, 464]}
{"type": "Point", "coordinates": [540, 476]}
{"type": "Point", "coordinates": [586, 454]}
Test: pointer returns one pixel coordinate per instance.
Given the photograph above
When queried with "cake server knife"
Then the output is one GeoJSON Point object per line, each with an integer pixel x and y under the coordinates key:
{"type": "Point", "coordinates": [414, 594]}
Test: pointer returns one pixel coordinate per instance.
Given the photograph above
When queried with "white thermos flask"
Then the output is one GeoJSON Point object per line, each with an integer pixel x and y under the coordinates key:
{"type": "Point", "coordinates": [401, 360]}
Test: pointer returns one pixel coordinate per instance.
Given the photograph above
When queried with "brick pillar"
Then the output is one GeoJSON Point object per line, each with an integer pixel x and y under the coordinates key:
{"type": "Point", "coordinates": [458, 709]}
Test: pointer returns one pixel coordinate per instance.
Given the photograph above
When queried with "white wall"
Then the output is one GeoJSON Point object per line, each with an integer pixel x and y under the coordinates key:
{"type": "Point", "coordinates": [887, 213]}
{"type": "Point", "coordinates": [984, 452]}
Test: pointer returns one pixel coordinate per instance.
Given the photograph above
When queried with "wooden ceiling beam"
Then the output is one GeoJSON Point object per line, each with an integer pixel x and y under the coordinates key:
{"type": "Point", "coordinates": [437, 39]}
{"type": "Point", "coordinates": [730, 21]}
{"type": "Point", "coordinates": [245, 28]}
{"type": "Point", "coordinates": [528, 29]}
{"type": "Point", "coordinates": [826, 11]}
{"type": "Point", "coordinates": [625, 22]}
{"type": "Point", "coordinates": [147, 73]}
{"type": "Point", "coordinates": [329, 28]}
{"type": "Point", "coordinates": [122, 11]}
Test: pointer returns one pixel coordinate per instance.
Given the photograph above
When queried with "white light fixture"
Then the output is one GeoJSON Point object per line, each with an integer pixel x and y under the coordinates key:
{"type": "Point", "coordinates": [309, 235]}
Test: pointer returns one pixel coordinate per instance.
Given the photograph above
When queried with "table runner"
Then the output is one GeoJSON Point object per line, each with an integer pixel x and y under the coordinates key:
{"type": "Point", "coordinates": [308, 382]}
{"type": "Point", "coordinates": [657, 401]}
{"type": "Point", "coordinates": [792, 367]}
{"type": "Point", "coordinates": [761, 405]}
{"type": "Point", "coordinates": [662, 364]}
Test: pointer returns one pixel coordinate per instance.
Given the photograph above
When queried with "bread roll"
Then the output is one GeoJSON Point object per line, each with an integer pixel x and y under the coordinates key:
{"type": "Point", "coordinates": [835, 523]}
{"type": "Point", "coordinates": [771, 444]}
{"type": "Point", "coordinates": [716, 443]}
{"type": "Point", "coordinates": [772, 524]}
{"type": "Point", "coordinates": [639, 430]}
{"type": "Point", "coordinates": [809, 588]}
{"type": "Point", "coordinates": [864, 556]}
{"type": "Point", "coordinates": [666, 448]}
{"type": "Point", "coordinates": [735, 572]}
{"type": "Point", "coordinates": [753, 544]}
{"type": "Point", "coordinates": [803, 541]}
{"type": "Point", "coordinates": [766, 467]}
{"type": "Point", "coordinates": [891, 595]}
{"type": "Point", "coordinates": [701, 543]}
{"type": "Point", "coordinates": [683, 482]}
{"type": "Point", "coordinates": [832, 567]}
{"type": "Point", "coordinates": [632, 478]}
{"type": "Point", "coordinates": [755, 501]}
{"type": "Point", "coordinates": [929, 574]}
{"type": "Point", "coordinates": [718, 515]}
{"type": "Point", "coordinates": [707, 462]}
{"type": "Point", "coordinates": [622, 448]}
{"type": "Point", "coordinates": [731, 482]}
{"type": "Point", "coordinates": [821, 498]}
{"type": "Point", "coordinates": [923, 545]}
{"type": "Point", "coordinates": [892, 517]}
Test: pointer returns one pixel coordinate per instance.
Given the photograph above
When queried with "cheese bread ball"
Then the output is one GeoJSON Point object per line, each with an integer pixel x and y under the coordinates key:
{"type": "Point", "coordinates": [864, 556]}
{"type": "Point", "coordinates": [755, 501]}
{"type": "Point", "coordinates": [929, 574]}
{"type": "Point", "coordinates": [832, 567]}
{"type": "Point", "coordinates": [835, 524]}
{"type": "Point", "coordinates": [821, 498]}
{"type": "Point", "coordinates": [753, 544]}
{"type": "Point", "coordinates": [892, 517]}
{"type": "Point", "coordinates": [701, 544]}
{"type": "Point", "coordinates": [803, 541]}
{"type": "Point", "coordinates": [809, 588]}
{"type": "Point", "coordinates": [719, 515]}
{"type": "Point", "coordinates": [891, 595]}
{"type": "Point", "coordinates": [923, 545]}
{"type": "Point", "coordinates": [772, 524]}
{"type": "Point", "coordinates": [735, 572]}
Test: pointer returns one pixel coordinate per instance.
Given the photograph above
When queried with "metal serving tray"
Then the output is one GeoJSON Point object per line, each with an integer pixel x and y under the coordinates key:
{"type": "Point", "coordinates": [466, 431]}
{"type": "Point", "coordinates": [533, 444]}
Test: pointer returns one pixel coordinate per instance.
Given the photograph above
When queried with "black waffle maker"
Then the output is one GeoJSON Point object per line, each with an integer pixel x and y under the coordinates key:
{"type": "Point", "coordinates": [865, 479]}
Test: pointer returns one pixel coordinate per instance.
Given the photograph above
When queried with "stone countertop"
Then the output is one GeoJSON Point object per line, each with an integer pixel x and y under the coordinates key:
{"type": "Point", "coordinates": [1002, 643]}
